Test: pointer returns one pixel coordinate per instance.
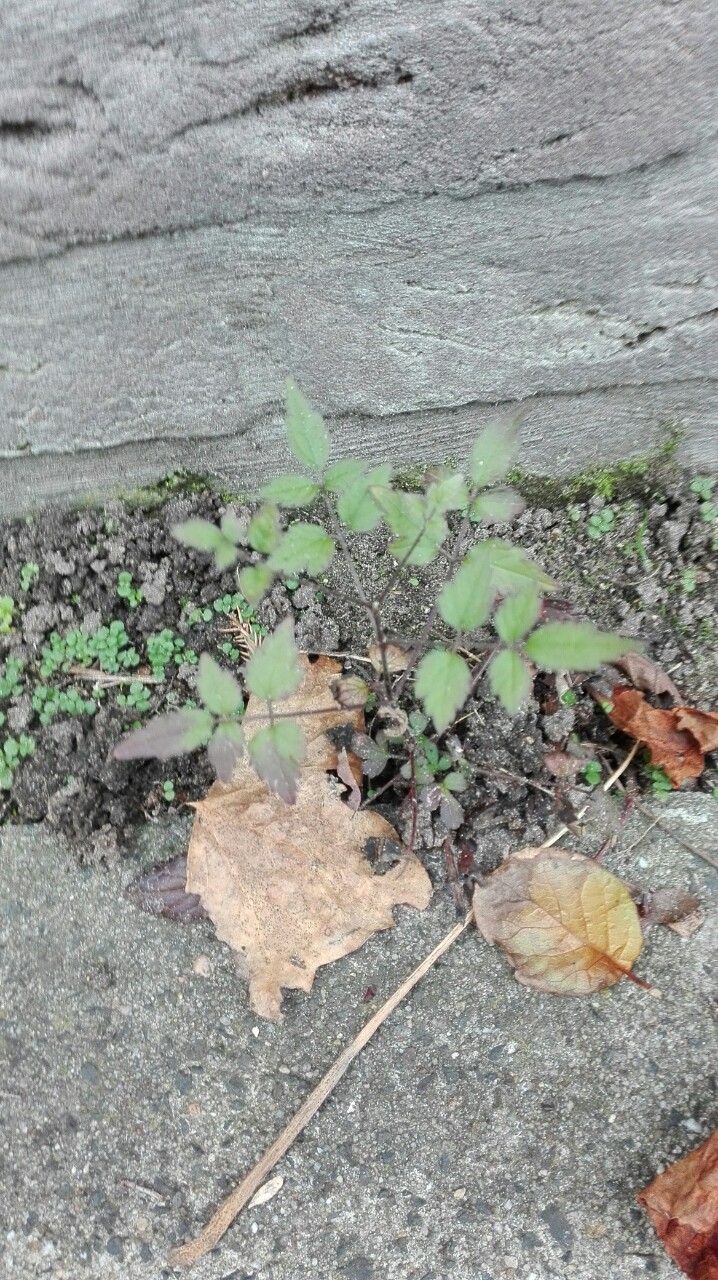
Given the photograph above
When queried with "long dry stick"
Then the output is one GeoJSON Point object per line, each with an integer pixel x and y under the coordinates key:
{"type": "Point", "coordinates": [187, 1254]}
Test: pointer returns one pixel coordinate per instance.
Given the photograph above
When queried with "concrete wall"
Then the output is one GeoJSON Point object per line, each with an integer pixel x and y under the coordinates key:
{"type": "Point", "coordinates": [420, 209]}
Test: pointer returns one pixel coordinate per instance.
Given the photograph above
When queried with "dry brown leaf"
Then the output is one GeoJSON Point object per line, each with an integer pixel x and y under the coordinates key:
{"type": "Point", "coordinates": [567, 925]}
{"type": "Point", "coordinates": [671, 742]}
{"type": "Point", "coordinates": [688, 924]}
{"type": "Point", "coordinates": [682, 1204]}
{"type": "Point", "coordinates": [289, 887]}
{"type": "Point", "coordinates": [702, 725]}
{"type": "Point", "coordinates": [669, 906]}
{"type": "Point", "coordinates": [647, 675]}
{"type": "Point", "coordinates": [396, 657]}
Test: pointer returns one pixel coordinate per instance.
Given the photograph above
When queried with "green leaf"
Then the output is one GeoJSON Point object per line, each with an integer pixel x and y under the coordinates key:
{"type": "Point", "coordinates": [291, 491]}
{"type": "Point", "coordinates": [343, 473]}
{"type": "Point", "coordinates": [356, 506]}
{"type": "Point", "coordinates": [497, 506]}
{"type": "Point", "coordinates": [203, 536]}
{"type": "Point", "coordinates": [420, 530]}
{"type": "Point", "coordinates": [448, 493]}
{"type": "Point", "coordinates": [307, 434]}
{"type": "Point", "coordinates": [304, 548]}
{"type": "Point", "coordinates": [273, 671]}
{"type": "Point", "coordinates": [576, 646]}
{"type": "Point", "coordinates": [167, 736]}
{"type": "Point", "coordinates": [466, 601]}
{"type": "Point", "coordinates": [254, 582]}
{"type": "Point", "coordinates": [217, 688]}
{"type": "Point", "coordinates": [510, 680]}
{"type": "Point", "coordinates": [517, 614]}
{"type": "Point", "coordinates": [442, 685]}
{"type": "Point", "coordinates": [511, 569]}
{"type": "Point", "coordinates": [493, 452]}
{"type": "Point", "coordinates": [264, 532]}
{"type": "Point", "coordinates": [232, 527]}
{"type": "Point", "coordinates": [277, 754]}
{"type": "Point", "coordinates": [226, 747]}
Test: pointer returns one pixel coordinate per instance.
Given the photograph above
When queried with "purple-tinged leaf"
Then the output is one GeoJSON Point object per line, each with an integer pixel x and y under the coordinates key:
{"type": "Point", "coordinates": [166, 736]}
{"type": "Point", "coordinates": [226, 747]}
{"type": "Point", "coordinates": [161, 892]}
{"type": "Point", "coordinates": [277, 754]}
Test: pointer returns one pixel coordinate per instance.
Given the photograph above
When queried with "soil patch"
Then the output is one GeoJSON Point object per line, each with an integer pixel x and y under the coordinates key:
{"type": "Point", "coordinates": [112, 591]}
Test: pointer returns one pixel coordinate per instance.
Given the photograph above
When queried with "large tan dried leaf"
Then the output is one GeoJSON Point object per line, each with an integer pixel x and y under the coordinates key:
{"type": "Point", "coordinates": [682, 1204]}
{"type": "Point", "coordinates": [567, 926]}
{"type": "Point", "coordinates": [288, 886]}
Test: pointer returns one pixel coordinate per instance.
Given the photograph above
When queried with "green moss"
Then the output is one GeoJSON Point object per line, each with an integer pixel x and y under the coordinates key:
{"type": "Point", "coordinates": [618, 481]}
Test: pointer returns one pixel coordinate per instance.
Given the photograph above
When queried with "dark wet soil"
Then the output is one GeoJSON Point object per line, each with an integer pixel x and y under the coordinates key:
{"type": "Point", "coordinates": [650, 571]}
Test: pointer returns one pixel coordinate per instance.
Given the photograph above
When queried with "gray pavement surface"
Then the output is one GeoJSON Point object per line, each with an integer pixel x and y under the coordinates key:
{"type": "Point", "coordinates": [487, 1133]}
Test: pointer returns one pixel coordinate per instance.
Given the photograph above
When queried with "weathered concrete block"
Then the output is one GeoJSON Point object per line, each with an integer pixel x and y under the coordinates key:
{"type": "Point", "coordinates": [422, 211]}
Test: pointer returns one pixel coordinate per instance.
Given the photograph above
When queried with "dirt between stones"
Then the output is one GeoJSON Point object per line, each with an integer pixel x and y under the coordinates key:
{"type": "Point", "coordinates": [645, 566]}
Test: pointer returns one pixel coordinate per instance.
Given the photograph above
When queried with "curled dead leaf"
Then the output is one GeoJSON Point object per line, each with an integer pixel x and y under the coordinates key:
{"type": "Point", "coordinates": [676, 739]}
{"type": "Point", "coordinates": [669, 906]}
{"type": "Point", "coordinates": [567, 925]}
{"type": "Point", "coordinates": [647, 675]}
{"type": "Point", "coordinates": [682, 1204]}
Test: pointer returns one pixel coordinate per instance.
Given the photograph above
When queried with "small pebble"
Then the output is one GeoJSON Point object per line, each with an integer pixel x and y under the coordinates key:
{"type": "Point", "coordinates": [459, 1193]}
{"type": "Point", "coordinates": [202, 966]}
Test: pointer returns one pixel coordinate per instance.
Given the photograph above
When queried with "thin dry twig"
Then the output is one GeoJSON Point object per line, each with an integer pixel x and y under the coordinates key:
{"type": "Point", "coordinates": [187, 1254]}
{"type": "Point", "coordinates": [106, 677]}
{"type": "Point", "coordinates": [659, 822]}
{"type": "Point", "coordinates": [606, 786]}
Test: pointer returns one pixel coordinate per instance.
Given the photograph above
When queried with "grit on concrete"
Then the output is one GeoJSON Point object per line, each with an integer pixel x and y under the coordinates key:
{"type": "Point", "coordinates": [488, 1132]}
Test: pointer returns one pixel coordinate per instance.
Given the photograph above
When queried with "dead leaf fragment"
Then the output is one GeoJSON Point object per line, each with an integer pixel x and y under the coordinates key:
{"type": "Point", "coordinates": [647, 675]}
{"type": "Point", "coordinates": [567, 926]}
{"type": "Point", "coordinates": [682, 1204]}
{"type": "Point", "coordinates": [266, 1192]}
{"type": "Point", "coordinates": [669, 906]}
{"type": "Point", "coordinates": [667, 735]}
{"type": "Point", "coordinates": [396, 657]}
{"type": "Point", "coordinates": [289, 888]}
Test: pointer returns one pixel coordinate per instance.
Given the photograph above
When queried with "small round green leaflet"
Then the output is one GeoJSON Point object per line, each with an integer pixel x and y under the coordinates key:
{"type": "Point", "coordinates": [201, 535]}
{"type": "Point", "coordinates": [510, 680]}
{"type": "Point", "coordinates": [517, 614]}
{"type": "Point", "coordinates": [291, 491]}
{"type": "Point", "coordinates": [497, 506]}
{"type": "Point", "coordinates": [232, 527]}
{"type": "Point", "coordinates": [273, 671]}
{"type": "Point", "coordinates": [420, 529]}
{"type": "Point", "coordinates": [306, 432]}
{"type": "Point", "coordinates": [448, 493]}
{"type": "Point", "coordinates": [343, 473]}
{"type": "Point", "coordinates": [305, 548]}
{"type": "Point", "coordinates": [493, 452]}
{"type": "Point", "coordinates": [576, 646]}
{"type": "Point", "coordinates": [442, 684]}
{"type": "Point", "coordinates": [217, 688]}
{"type": "Point", "coordinates": [356, 507]}
{"type": "Point", "coordinates": [264, 532]}
{"type": "Point", "coordinates": [254, 581]}
{"type": "Point", "coordinates": [466, 601]}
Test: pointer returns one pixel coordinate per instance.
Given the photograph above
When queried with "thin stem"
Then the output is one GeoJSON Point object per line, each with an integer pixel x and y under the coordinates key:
{"type": "Point", "coordinates": [297, 715]}
{"type": "Point", "coordinates": [371, 607]}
